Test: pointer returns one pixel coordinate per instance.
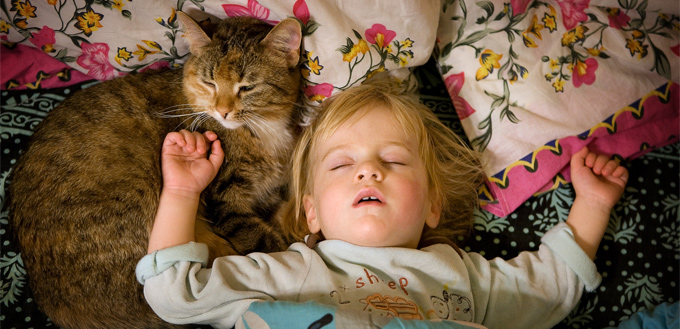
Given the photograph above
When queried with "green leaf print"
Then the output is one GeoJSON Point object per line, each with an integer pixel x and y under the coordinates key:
{"type": "Point", "coordinates": [12, 267]}
{"type": "Point", "coordinates": [620, 230]}
{"type": "Point", "coordinates": [488, 222]}
{"type": "Point", "coordinates": [642, 288]}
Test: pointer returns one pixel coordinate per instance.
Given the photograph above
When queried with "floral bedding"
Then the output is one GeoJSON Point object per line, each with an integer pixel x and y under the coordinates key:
{"type": "Point", "coordinates": [52, 48]}
{"type": "Point", "coordinates": [534, 81]}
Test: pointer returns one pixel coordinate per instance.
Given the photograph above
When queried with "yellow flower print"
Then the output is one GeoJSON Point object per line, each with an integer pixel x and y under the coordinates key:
{"type": "Point", "coordinates": [403, 61]}
{"type": "Point", "coordinates": [389, 48]}
{"type": "Point", "coordinates": [636, 47]}
{"type": "Point", "coordinates": [24, 9]}
{"type": "Point", "coordinates": [580, 31]}
{"type": "Point", "coordinates": [523, 72]}
{"type": "Point", "coordinates": [574, 35]}
{"type": "Point", "coordinates": [568, 38]}
{"type": "Point", "coordinates": [549, 19]}
{"type": "Point", "coordinates": [554, 64]}
{"type": "Point", "coordinates": [595, 51]}
{"type": "Point", "coordinates": [52, 2]}
{"type": "Point", "coordinates": [92, 18]}
{"type": "Point", "coordinates": [21, 23]}
{"type": "Point", "coordinates": [380, 39]}
{"type": "Point", "coordinates": [558, 85]}
{"type": "Point", "coordinates": [535, 29]}
{"type": "Point", "coordinates": [407, 43]}
{"type": "Point", "coordinates": [374, 72]}
{"type": "Point", "coordinates": [362, 46]}
{"type": "Point", "coordinates": [88, 22]}
{"type": "Point", "coordinates": [314, 65]}
{"type": "Point", "coordinates": [153, 44]}
{"type": "Point", "coordinates": [581, 68]}
{"type": "Point", "coordinates": [348, 57]}
{"type": "Point", "coordinates": [4, 26]}
{"type": "Point", "coordinates": [637, 34]}
{"type": "Point", "coordinates": [489, 60]}
{"type": "Point", "coordinates": [118, 4]}
{"type": "Point", "coordinates": [123, 55]}
{"type": "Point", "coordinates": [141, 52]}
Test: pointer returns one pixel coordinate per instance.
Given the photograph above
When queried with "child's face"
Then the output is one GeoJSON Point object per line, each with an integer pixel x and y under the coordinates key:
{"type": "Point", "coordinates": [370, 185]}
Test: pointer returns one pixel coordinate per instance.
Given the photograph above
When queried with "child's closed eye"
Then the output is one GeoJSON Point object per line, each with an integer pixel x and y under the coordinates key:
{"type": "Point", "coordinates": [336, 167]}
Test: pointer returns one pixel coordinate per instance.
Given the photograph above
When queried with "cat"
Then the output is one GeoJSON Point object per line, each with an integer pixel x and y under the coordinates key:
{"type": "Point", "coordinates": [83, 196]}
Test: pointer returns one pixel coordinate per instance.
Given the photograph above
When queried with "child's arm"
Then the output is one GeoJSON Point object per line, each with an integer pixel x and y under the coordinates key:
{"type": "Point", "coordinates": [187, 170]}
{"type": "Point", "coordinates": [599, 183]}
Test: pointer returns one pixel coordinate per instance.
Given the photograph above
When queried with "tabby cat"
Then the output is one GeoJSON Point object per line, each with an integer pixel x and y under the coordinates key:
{"type": "Point", "coordinates": [84, 195]}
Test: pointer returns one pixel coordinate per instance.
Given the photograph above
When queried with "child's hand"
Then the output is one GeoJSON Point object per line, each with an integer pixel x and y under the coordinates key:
{"type": "Point", "coordinates": [185, 163]}
{"type": "Point", "coordinates": [597, 178]}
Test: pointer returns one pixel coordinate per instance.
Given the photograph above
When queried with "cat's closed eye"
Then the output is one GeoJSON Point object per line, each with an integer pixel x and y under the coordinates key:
{"type": "Point", "coordinates": [208, 83]}
{"type": "Point", "coordinates": [245, 88]}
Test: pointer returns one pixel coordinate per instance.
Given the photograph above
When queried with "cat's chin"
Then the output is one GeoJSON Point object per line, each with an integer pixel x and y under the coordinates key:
{"type": "Point", "coordinates": [230, 124]}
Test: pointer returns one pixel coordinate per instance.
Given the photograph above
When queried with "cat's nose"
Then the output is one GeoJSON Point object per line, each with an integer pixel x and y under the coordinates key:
{"type": "Point", "coordinates": [224, 111]}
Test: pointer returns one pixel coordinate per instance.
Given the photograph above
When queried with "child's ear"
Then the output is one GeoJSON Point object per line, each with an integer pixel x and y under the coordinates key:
{"type": "Point", "coordinates": [310, 213]}
{"type": "Point", "coordinates": [434, 214]}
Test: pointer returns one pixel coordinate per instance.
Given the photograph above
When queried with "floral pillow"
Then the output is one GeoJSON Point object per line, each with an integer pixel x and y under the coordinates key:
{"type": "Point", "coordinates": [345, 41]}
{"type": "Point", "coordinates": [534, 81]}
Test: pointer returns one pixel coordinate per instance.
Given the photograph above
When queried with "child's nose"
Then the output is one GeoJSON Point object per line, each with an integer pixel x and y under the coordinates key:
{"type": "Point", "coordinates": [369, 170]}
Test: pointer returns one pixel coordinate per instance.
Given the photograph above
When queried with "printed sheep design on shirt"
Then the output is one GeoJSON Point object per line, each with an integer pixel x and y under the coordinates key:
{"type": "Point", "coordinates": [391, 307]}
{"type": "Point", "coordinates": [452, 307]}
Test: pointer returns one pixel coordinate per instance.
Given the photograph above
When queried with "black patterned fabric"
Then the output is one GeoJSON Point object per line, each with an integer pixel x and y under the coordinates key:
{"type": "Point", "coordinates": [638, 258]}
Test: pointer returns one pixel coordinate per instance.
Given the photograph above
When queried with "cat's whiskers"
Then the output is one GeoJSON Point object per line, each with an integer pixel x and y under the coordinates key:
{"type": "Point", "coordinates": [199, 120]}
{"type": "Point", "coordinates": [264, 129]}
{"type": "Point", "coordinates": [190, 113]}
{"type": "Point", "coordinates": [181, 109]}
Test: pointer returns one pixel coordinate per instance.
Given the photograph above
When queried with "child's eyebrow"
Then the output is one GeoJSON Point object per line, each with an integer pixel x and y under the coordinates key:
{"type": "Point", "coordinates": [334, 149]}
{"type": "Point", "coordinates": [342, 147]}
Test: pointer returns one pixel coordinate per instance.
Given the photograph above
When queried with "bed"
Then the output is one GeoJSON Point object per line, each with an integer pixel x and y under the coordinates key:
{"type": "Point", "coordinates": [525, 82]}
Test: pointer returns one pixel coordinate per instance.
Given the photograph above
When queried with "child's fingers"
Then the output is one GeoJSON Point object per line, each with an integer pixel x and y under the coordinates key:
{"type": "Point", "coordinates": [216, 154]}
{"type": "Point", "coordinates": [609, 167]}
{"type": "Point", "coordinates": [621, 172]}
{"type": "Point", "coordinates": [210, 136]}
{"type": "Point", "coordinates": [590, 159]}
{"type": "Point", "coordinates": [201, 143]}
{"type": "Point", "coordinates": [600, 161]}
{"type": "Point", "coordinates": [190, 140]}
{"type": "Point", "coordinates": [174, 138]}
{"type": "Point", "coordinates": [578, 158]}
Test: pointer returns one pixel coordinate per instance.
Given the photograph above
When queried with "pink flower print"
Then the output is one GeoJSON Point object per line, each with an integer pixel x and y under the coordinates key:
{"type": "Point", "coordinates": [95, 58]}
{"type": "Point", "coordinates": [254, 9]}
{"type": "Point", "coordinates": [378, 34]}
{"type": "Point", "coordinates": [301, 11]}
{"type": "Point", "coordinates": [454, 83]}
{"type": "Point", "coordinates": [584, 72]}
{"type": "Point", "coordinates": [519, 6]}
{"type": "Point", "coordinates": [617, 18]}
{"type": "Point", "coordinates": [676, 50]}
{"type": "Point", "coordinates": [44, 39]}
{"type": "Point", "coordinates": [319, 92]}
{"type": "Point", "coordinates": [573, 12]}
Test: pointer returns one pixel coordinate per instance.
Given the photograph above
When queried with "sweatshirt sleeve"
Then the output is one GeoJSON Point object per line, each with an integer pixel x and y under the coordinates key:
{"type": "Point", "coordinates": [181, 290]}
{"type": "Point", "coordinates": [535, 289]}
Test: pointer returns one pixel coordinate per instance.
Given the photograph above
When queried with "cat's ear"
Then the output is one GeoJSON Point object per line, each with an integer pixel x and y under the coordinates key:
{"type": "Point", "coordinates": [285, 38]}
{"type": "Point", "coordinates": [194, 33]}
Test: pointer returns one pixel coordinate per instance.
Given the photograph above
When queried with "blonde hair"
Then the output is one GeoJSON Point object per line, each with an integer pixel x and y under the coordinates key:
{"type": "Point", "coordinates": [454, 171]}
